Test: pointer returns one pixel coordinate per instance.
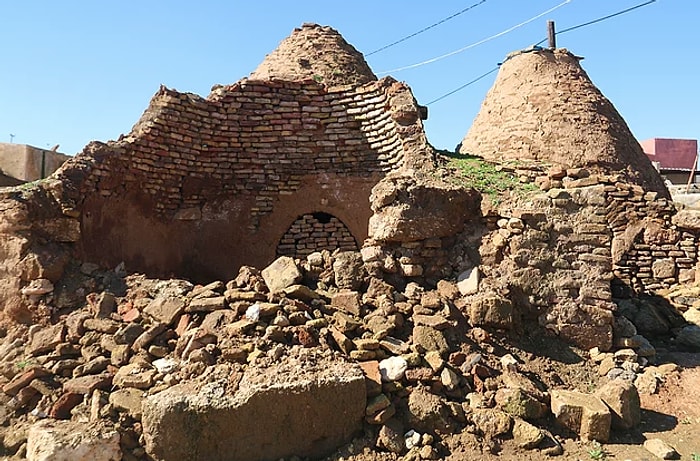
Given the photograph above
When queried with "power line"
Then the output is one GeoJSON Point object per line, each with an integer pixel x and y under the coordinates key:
{"type": "Point", "coordinates": [426, 28]}
{"type": "Point", "coordinates": [563, 31]}
{"type": "Point", "coordinates": [480, 42]}
{"type": "Point", "coordinates": [464, 86]}
{"type": "Point", "coordinates": [542, 41]}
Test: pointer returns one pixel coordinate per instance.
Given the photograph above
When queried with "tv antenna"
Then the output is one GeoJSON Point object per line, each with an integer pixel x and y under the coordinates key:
{"type": "Point", "coordinates": [12, 138]}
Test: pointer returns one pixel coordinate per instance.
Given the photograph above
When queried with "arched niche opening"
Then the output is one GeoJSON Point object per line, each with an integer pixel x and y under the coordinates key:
{"type": "Point", "coordinates": [315, 232]}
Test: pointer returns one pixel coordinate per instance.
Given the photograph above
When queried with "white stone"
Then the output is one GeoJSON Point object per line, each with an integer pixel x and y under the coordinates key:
{"type": "Point", "coordinates": [509, 363]}
{"type": "Point", "coordinates": [412, 439]}
{"type": "Point", "coordinates": [449, 379]}
{"type": "Point", "coordinates": [468, 281]}
{"type": "Point", "coordinates": [165, 365]}
{"type": "Point", "coordinates": [38, 287]}
{"type": "Point", "coordinates": [393, 368]}
{"type": "Point", "coordinates": [253, 313]}
{"type": "Point", "coordinates": [69, 441]}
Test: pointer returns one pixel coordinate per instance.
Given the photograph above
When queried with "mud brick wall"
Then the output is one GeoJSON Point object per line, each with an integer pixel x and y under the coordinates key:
{"type": "Point", "coordinates": [315, 232]}
{"type": "Point", "coordinates": [203, 185]}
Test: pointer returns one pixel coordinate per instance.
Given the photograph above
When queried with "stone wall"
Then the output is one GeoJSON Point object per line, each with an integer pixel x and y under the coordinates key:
{"type": "Point", "coordinates": [565, 255]}
{"type": "Point", "coordinates": [650, 251]}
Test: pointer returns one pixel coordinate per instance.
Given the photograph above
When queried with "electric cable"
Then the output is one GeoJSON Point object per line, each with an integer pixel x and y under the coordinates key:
{"type": "Point", "coordinates": [563, 31]}
{"type": "Point", "coordinates": [425, 29]}
{"type": "Point", "coordinates": [542, 41]}
{"type": "Point", "coordinates": [482, 76]}
{"type": "Point", "coordinates": [480, 42]}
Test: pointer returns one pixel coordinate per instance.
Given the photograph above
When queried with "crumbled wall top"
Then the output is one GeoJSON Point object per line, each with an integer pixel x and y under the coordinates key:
{"type": "Point", "coordinates": [315, 52]}
{"type": "Point", "coordinates": [544, 107]}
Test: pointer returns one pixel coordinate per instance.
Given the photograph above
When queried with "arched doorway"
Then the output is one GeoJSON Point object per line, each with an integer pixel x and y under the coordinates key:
{"type": "Point", "coordinates": [315, 232]}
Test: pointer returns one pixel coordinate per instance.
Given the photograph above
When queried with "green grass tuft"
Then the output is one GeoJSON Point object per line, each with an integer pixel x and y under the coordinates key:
{"type": "Point", "coordinates": [485, 177]}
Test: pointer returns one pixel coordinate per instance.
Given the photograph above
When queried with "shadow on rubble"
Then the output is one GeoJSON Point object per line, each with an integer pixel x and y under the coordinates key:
{"type": "Point", "coordinates": [539, 341]}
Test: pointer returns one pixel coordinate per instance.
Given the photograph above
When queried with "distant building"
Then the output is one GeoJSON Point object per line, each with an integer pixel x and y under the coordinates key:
{"type": "Point", "coordinates": [674, 158]}
{"type": "Point", "coordinates": [20, 163]}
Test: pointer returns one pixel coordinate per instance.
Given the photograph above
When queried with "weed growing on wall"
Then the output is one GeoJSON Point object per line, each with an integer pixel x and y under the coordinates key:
{"type": "Point", "coordinates": [486, 177]}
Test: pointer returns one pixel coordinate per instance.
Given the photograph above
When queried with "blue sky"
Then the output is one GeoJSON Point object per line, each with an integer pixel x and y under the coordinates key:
{"type": "Point", "coordinates": [75, 71]}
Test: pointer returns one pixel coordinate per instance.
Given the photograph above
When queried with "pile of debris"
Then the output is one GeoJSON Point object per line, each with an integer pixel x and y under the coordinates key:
{"type": "Point", "coordinates": [293, 360]}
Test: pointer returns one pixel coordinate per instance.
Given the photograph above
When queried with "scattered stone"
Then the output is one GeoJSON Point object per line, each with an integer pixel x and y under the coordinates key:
{"type": "Point", "coordinates": [468, 282]}
{"type": "Point", "coordinates": [434, 321]}
{"type": "Point", "coordinates": [393, 368]}
{"type": "Point", "coordinates": [135, 375]}
{"type": "Point", "coordinates": [72, 441]}
{"type": "Point", "coordinates": [127, 400]}
{"type": "Point", "coordinates": [526, 435]}
{"type": "Point", "coordinates": [301, 292]}
{"type": "Point", "coordinates": [435, 361]}
{"type": "Point", "coordinates": [430, 339]}
{"type": "Point", "coordinates": [517, 402]}
{"type": "Point", "coordinates": [165, 310]}
{"type": "Point", "coordinates": [606, 365]}
{"type": "Point", "coordinates": [509, 363]}
{"type": "Point", "coordinates": [47, 338]}
{"type": "Point", "coordinates": [622, 398]}
{"type": "Point", "coordinates": [348, 270]}
{"type": "Point", "coordinates": [448, 290]}
{"type": "Point", "coordinates": [660, 449]}
{"type": "Point", "coordinates": [391, 436]}
{"type": "Point", "coordinates": [61, 409]}
{"type": "Point", "coordinates": [87, 384]}
{"type": "Point", "coordinates": [491, 311]}
{"type": "Point", "coordinates": [38, 287]}
{"type": "Point", "coordinates": [377, 404]}
{"type": "Point", "coordinates": [102, 305]}
{"type": "Point", "coordinates": [206, 304]}
{"type": "Point", "coordinates": [449, 379]}
{"type": "Point", "coordinates": [347, 301]}
{"type": "Point", "coordinates": [373, 378]}
{"type": "Point", "coordinates": [144, 340]}
{"type": "Point", "coordinates": [490, 422]}
{"type": "Point", "coordinates": [282, 273]}
{"type": "Point", "coordinates": [23, 379]}
{"type": "Point", "coordinates": [583, 414]}
{"type": "Point", "coordinates": [428, 412]}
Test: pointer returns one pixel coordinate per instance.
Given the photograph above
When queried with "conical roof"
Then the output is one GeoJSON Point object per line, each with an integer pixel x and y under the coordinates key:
{"type": "Point", "coordinates": [315, 52]}
{"type": "Point", "coordinates": [543, 106]}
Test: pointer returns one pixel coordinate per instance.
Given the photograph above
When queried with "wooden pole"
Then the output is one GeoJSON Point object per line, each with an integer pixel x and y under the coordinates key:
{"type": "Point", "coordinates": [692, 174]}
{"type": "Point", "coordinates": [551, 35]}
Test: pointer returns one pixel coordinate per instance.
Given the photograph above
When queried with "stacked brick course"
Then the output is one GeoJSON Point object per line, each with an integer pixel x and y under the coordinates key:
{"type": "Point", "coordinates": [253, 139]}
{"type": "Point", "coordinates": [315, 232]}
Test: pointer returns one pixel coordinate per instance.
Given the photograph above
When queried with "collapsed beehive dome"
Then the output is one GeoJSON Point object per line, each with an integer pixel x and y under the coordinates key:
{"type": "Point", "coordinates": [544, 107]}
{"type": "Point", "coordinates": [315, 52]}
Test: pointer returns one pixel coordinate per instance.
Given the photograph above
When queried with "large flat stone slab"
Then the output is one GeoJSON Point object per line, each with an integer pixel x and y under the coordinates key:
{"type": "Point", "coordinates": [298, 408]}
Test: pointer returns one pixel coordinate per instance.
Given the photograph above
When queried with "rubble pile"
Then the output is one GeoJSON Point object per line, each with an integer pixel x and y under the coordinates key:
{"type": "Point", "coordinates": [312, 352]}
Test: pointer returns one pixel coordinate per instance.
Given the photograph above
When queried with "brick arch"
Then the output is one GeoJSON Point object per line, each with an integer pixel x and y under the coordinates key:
{"type": "Point", "coordinates": [315, 231]}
